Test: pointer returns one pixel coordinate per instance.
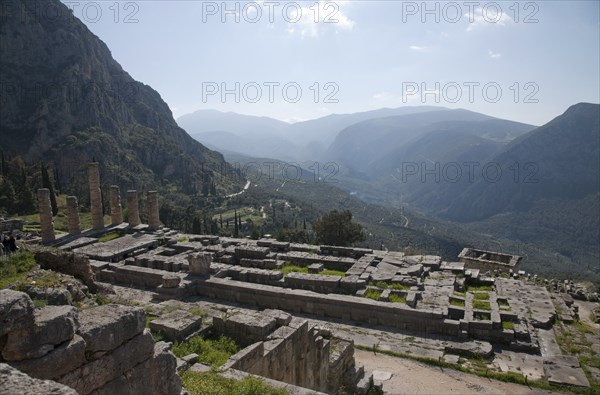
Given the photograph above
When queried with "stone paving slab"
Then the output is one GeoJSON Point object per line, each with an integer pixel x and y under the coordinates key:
{"type": "Point", "coordinates": [565, 370]}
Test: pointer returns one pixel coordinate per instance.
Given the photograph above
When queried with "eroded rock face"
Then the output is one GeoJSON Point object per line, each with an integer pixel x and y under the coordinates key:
{"type": "Point", "coordinates": [53, 325]}
{"type": "Point", "coordinates": [12, 381]}
{"type": "Point", "coordinates": [16, 311]}
{"type": "Point", "coordinates": [106, 327]}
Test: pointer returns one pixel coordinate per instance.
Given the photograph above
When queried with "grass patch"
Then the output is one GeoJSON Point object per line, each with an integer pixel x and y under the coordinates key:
{"type": "Point", "coordinates": [15, 267]}
{"type": "Point", "coordinates": [475, 288]}
{"type": "Point", "coordinates": [396, 298]}
{"type": "Point", "coordinates": [39, 303]}
{"type": "Point", "coordinates": [372, 294]}
{"type": "Point", "coordinates": [328, 272]}
{"type": "Point", "coordinates": [108, 237]}
{"type": "Point", "coordinates": [380, 284]}
{"type": "Point", "coordinates": [102, 299]}
{"type": "Point", "coordinates": [583, 327]}
{"type": "Point", "coordinates": [508, 325]}
{"type": "Point", "coordinates": [182, 239]}
{"type": "Point", "coordinates": [198, 312]}
{"type": "Point", "coordinates": [289, 267]}
{"type": "Point", "coordinates": [214, 352]}
{"type": "Point", "coordinates": [211, 383]}
{"type": "Point", "coordinates": [481, 305]}
{"type": "Point", "coordinates": [481, 296]}
{"type": "Point", "coordinates": [400, 287]}
{"type": "Point", "coordinates": [457, 302]}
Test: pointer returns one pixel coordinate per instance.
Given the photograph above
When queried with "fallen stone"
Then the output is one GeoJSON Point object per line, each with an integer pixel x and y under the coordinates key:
{"type": "Point", "coordinates": [16, 311]}
{"type": "Point", "coordinates": [200, 368]}
{"type": "Point", "coordinates": [53, 325]}
{"type": "Point", "coordinates": [104, 328]}
{"type": "Point", "coordinates": [191, 358]}
{"type": "Point", "coordinates": [14, 382]}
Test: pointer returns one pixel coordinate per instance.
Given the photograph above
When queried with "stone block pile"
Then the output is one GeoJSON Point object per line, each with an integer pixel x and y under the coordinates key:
{"type": "Point", "coordinates": [101, 350]}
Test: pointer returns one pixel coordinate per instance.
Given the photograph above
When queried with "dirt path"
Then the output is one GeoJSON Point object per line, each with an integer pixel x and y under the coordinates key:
{"type": "Point", "coordinates": [411, 377]}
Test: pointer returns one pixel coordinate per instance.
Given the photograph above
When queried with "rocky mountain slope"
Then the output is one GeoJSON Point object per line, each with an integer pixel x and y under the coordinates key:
{"type": "Point", "coordinates": [66, 101]}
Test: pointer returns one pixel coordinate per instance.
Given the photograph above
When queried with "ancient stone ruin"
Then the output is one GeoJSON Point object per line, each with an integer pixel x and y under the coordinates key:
{"type": "Point", "coordinates": [101, 350]}
{"type": "Point", "coordinates": [46, 221]}
{"type": "Point", "coordinates": [298, 328]}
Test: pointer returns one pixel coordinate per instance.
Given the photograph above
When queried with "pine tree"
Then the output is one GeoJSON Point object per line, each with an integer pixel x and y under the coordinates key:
{"type": "Point", "coordinates": [236, 229]}
{"type": "Point", "coordinates": [196, 227]}
{"type": "Point", "coordinates": [221, 220]}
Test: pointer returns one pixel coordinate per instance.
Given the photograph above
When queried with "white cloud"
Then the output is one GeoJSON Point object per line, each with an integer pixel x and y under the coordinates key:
{"type": "Point", "coordinates": [417, 47]}
{"type": "Point", "coordinates": [494, 55]}
{"type": "Point", "coordinates": [311, 21]}
{"type": "Point", "coordinates": [486, 16]}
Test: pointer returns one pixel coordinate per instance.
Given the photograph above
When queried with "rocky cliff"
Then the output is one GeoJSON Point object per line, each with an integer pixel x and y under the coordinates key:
{"type": "Point", "coordinates": [65, 100]}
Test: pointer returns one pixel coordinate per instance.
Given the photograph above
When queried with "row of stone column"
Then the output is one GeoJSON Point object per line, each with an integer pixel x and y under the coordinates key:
{"type": "Point", "coordinates": [116, 212]}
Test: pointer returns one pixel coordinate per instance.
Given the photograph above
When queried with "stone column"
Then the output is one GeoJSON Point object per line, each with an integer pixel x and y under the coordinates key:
{"type": "Point", "coordinates": [116, 214]}
{"type": "Point", "coordinates": [132, 208]}
{"type": "Point", "coordinates": [45, 208]}
{"type": "Point", "coordinates": [95, 195]}
{"type": "Point", "coordinates": [73, 223]}
{"type": "Point", "coordinates": [152, 204]}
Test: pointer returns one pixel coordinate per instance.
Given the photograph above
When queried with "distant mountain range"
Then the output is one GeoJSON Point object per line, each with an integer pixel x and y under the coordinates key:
{"type": "Point", "coordinates": [67, 101]}
{"type": "Point", "coordinates": [268, 137]}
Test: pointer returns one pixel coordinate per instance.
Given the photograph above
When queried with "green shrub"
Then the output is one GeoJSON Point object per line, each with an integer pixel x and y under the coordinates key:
{"type": "Point", "coordinates": [481, 296]}
{"type": "Point", "coordinates": [508, 325]}
{"type": "Point", "coordinates": [214, 352]}
{"type": "Point", "coordinates": [481, 305]}
{"type": "Point", "coordinates": [372, 294]}
{"type": "Point", "coordinates": [457, 302]}
{"type": "Point", "coordinates": [396, 298]}
{"type": "Point", "coordinates": [211, 383]}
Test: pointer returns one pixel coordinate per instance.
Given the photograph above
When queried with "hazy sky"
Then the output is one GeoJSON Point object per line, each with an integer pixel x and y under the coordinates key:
{"type": "Point", "coordinates": [525, 61]}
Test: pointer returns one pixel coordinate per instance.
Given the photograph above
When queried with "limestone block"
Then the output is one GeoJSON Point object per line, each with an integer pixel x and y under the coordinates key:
{"type": "Point", "coordinates": [110, 366]}
{"type": "Point", "coordinates": [12, 381]}
{"type": "Point", "coordinates": [199, 263]}
{"type": "Point", "coordinates": [64, 358]}
{"type": "Point", "coordinates": [16, 311]}
{"type": "Point", "coordinates": [104, 328]}
{"type": "Point", "coordinates": [171, 281]}
{"type": "Point", "coordinates": [53, 325]}
{"type": "Point", "coordinates": [176, 325]}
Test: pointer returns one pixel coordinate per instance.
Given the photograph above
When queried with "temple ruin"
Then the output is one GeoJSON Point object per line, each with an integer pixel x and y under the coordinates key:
{"type": "Point", "coordinates": [470, 307]}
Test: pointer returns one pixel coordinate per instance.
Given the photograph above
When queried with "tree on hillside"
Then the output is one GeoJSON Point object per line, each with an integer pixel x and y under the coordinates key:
{"type": "Point", "coordinates": [337, 228]}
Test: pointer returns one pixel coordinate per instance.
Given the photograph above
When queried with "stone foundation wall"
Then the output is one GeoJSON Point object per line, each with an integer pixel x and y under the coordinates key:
{"type": "Point", "coordinates": [295, 353]}
{"type": "Point", "coordinates": [101, 350]}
